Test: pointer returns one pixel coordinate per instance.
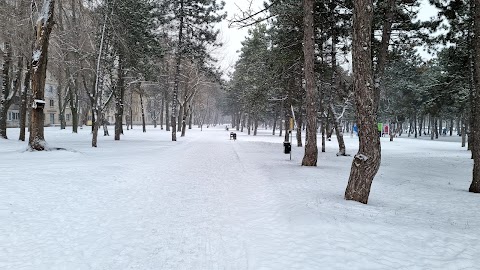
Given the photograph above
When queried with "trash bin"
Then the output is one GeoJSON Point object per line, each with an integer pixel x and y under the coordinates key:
{"type": "Point", "coordinates": [287, 147]}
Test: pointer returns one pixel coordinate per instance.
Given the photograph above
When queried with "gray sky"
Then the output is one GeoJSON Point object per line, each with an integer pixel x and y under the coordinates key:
{"type": "Point", "coordinates": [232, 37]}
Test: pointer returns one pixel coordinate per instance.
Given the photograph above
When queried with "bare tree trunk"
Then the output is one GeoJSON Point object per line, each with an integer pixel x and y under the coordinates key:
{"type": "Point", "coordinates": [24, 103]}
{"type": "Point", "coordinates": [391, 129]}
{"type": "Point", "coordinates": [475, 185]}
{"type": "Point", "coordinates": [328, 128]}
{"type": "Point", "coordinates": [311, 150]}
{"type": "Point", "coordinates": [275, 119]}
{"type": "Point", "coordinates": [255, 126]}
{"type": "Point", "coordinates": [161, 113]}
{"type": "Point", "coordinates": [420, 126]}
{"type": "Point", "coordinates": [324, 146]}
{"type": "Point", "coordinates": [97, 93]}
{"type": "Point", "coordinates": [95, 126]}
{"type": "Point", "coordinates": [451, 126]}
{"type": "Point", "coordinates": [383, 51]}
{"type": "Point", "coordinates": [457, 125]}
{"type": "Point", "coordinates": [338, 133]}
{"type": "Point", "coordinates": [105, 126]}
{"type": "Point", "coordinates": [180, 117]}
{"type": "Point", "coordinates": [367, 161]}
{"type": "Point", "coordinates": [178, 59]}
{"type": "Point", "coordinates": [432, 127]}
{"type": "Point", "coordinates": [131, 116]}
{"type": "Point", "coordinates": [167, 113]}
{"type": "Point", "coordinates": [73, 93]}
{"type": "Point", "coordinates": [429, 124]}
{"type": "Point", "coordinates": [93, 121]}
{"type": "Point", "coordinates": [331, 107]}
{"type": "Point", "coordinates": [143, 114]}
{"type": "Point", "coordinates": [119, 98]}
{"type": "Point", "coordinates": [5, 95]}
{"type": "Point", "coordinates": [473, 83]}
{"type": "Point", "coordinates": [282, 116]}
{"type": "Point", "coordinates": [299, 129]}
{"type": "Point", "coordinates": [440, 126]}
{"type": "Point", "coordinates": [241, 122]}
{"type": "Point", "coordinates": [9, 91]}
{"type": "Point", "coordinates": [287, 132]}
{"type": "Point", "coordinates": [184, 119]}
{"type": "Point", "coordinates": [190, 119]}
{"type": "Point", "coordinates": [43, 30]}
{"type": "Point", "coordinates": [73, 97]}
{"type": "Point", "coordinates": [154, 118]}
{"type": "Point", "coordinates": [415, 124]}
{"type": "Point", "coordinates": [63, 123]}
{"type": "Point", "coordinates": [464, 131]}
{"type": "Point", "coordinates": [410, 126]}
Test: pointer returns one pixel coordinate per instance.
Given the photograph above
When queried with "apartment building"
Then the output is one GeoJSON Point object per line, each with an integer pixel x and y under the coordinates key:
{"type": "Point", "coordinates": [51, 111]}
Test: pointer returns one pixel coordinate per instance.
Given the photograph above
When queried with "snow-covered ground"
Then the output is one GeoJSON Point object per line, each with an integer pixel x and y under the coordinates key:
{"type": "Point", "coordinates": [206, 202]}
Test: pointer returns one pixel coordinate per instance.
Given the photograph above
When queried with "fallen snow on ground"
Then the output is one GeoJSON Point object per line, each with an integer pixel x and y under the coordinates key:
{"type": "Point", "coordinates": [207, 202]}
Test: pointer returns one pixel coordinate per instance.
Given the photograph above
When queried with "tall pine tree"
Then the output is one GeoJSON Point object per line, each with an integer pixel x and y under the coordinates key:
{"type": "Point", "coordinates": [194, 23]}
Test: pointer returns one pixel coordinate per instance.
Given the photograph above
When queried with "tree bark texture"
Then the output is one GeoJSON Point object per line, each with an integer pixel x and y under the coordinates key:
{"type": "Point", "coordinates": [286, 126]}
{"type": "Point", "coordinates": [144, 126]}
{"type": "Point", "coordinates": [24, 103]}
{"type": "Point", "coordinates": [473, 79]}
{"type": "Point", "coordinates": [190, 118]}
{"type": "Point", "coordinates": [161, 113]}
{"type": "Point", "coordinates": [366, 163]}
{"type": "Point", "coordinates": [63, 123]}
{"type": "Point", "coordinates": [299, 129]}
{"type": "Point", "coordinates": [9, 89]}
{"type": "Point", "coordinates": [415, 124]}
{"type": "Point", "coordinates": [464, 131]}
{"type": "Point", "coordinates": [178, 59]}
{"type": "Point", "coordinates": [180, 117]}
{"type": "Point", "coordinates": [331, 107]}
{"type": "Point", "coordinates": [119, 98]}
{"type": "Point", "coordinates": [383, 51]}
{"type": "Point", "coordinates": [324, 147]}
{"type": "Point", "coordinates": [475, 185]}
{"type": "Point", "coordinates": [311, 150]}
{"type": "Point", "coordinates": [5, 99]}
{"type": "Point", "coordinates": [43, 29]}
{"type": "Point", "coordinates": [167, 113]}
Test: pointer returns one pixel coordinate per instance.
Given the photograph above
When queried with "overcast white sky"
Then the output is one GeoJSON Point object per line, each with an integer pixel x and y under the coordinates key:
{"type": "Point", "coordinates": [232, 37]}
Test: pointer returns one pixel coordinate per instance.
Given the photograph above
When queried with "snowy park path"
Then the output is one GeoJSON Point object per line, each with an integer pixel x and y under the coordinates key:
{"type": "Point", "coordinates": [207, 202]}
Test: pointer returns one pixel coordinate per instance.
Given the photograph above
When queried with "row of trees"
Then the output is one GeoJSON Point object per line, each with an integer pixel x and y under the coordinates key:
{"type": "Point", "coordinates": [301, 67]}
{"type": "Point", "coordinates": [99, 50]}
{"type": "Point", "coordinates": [102, 51]}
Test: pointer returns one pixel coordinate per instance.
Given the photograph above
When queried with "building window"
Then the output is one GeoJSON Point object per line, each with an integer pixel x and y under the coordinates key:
{"type": "Point", "coordinates": [52, 118]}
{"type": "Point", "coordinates": [52, 103]}
{"type": "Point", "coordinates": [68, 116]}
{"type": "Point", "coordinates": [13, 116]}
